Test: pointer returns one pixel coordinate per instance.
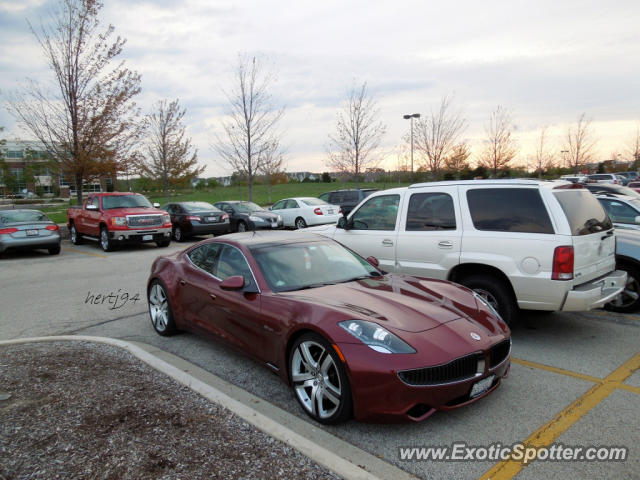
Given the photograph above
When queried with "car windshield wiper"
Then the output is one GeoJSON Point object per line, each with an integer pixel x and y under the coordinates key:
{"type": "Point", "coordinates": [362, 277]}
{"type": "Point", "coordinates": [307, 287]}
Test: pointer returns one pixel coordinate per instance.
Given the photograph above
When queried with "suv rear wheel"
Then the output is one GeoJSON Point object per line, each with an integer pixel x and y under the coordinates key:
{"type": "Point", "coordinates": [495, 292]}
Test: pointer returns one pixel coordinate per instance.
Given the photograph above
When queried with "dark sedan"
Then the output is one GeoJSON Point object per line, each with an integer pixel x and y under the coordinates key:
{"type": "Point", "coordinates": [28, 230]}
{"type": "Point", "coordinates": [347, 338]}
{"type": "Point", "coordinates": [245, 216]}
{"type": "Point", "coordinates": [196, 218]}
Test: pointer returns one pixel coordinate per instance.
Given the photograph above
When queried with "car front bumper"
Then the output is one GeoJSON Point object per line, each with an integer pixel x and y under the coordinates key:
{"type": "Point", "coordinates": [148, 235]}
{"type": "Point", "coordinates": [596, 293]}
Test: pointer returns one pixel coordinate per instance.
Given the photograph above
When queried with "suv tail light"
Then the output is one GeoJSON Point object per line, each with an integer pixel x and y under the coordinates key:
{"type": "Point", "coordinates": [53, 228]}
{"type": "Point", "coordinates": [7, 231]}
{"type": "Point", "coordinates": [223, 217]}
{"type": "Point", "coordinates": [318, 211]}
{"type": "Point", "coordinates": [562, 263]}
{"type": "Point", "coordinates": [340, 210]}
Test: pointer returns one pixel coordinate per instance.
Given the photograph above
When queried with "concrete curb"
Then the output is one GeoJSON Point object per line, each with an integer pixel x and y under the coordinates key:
{"type": "Point", "coordinates": [315, 443]}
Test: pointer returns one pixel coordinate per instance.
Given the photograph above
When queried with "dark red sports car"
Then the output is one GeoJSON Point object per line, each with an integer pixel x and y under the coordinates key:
{"type": "Point", "coordinates": [349, 339]}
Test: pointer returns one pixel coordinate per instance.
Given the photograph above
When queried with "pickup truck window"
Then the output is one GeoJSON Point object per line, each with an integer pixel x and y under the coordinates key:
{"type": "Point", "coordinates": [124, 201]}
{"type": "Point", "coordinates": [377, 213]}
{"type": "Point", "coordinates": [96, 201]}
{"type": "Point", "coordinates": [584, 212]}
{"type": "Point", "coordinates": [430, 211]}
{"type": "Point", "coordinates": [508, 210]}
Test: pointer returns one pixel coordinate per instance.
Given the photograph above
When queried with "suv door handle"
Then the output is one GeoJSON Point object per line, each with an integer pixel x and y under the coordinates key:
{"type": "Point", "coordinates": [387, 243]}
{"type": "Point", "coordinates": [445, 244]}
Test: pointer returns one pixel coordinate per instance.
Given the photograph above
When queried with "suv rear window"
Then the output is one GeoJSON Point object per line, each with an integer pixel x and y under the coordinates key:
{"type": "Point", "coordinates": [584, 212]}
{"type": "Point", "coordinates": [508, 210]}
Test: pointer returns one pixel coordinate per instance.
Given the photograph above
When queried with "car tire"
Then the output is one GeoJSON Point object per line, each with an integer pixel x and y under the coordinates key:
{"type": "Point", "coordinates": [300, 223]}
{"type": "Point", "coordinates": [54, 250]}
{"type": "Point", "coordinates": [160, 311]}
{"type": "Point", "coordinates": [105, 241]}
{"type": "Point", "coordinates": [496, 293]}
{"type": "Point", "coordinates": [319, 380]}
{"type": "Point", "coordinates": [241, 226]}
{"type": "Point", "coordinates": [629, 300]}
{"type": "Point", "coordinates": [178, 236]}
{"type": "Point", "coordinates": [76, 238]}
{"type": "Point", "coordinates": [163, 243]}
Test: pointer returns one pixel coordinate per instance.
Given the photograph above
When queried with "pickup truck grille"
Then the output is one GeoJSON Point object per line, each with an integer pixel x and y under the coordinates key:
{"type": "Point", "coordinates": [456, 370]}
{"type": "Point", "coordinates": [139, 221]}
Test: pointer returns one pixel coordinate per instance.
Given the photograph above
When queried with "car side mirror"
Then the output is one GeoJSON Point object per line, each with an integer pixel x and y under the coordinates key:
{"type": "Point", "coordinates": [373, 261]}
{"type": "Point", "coordinates": [235, 282]}
{"type": "Point", "coordinates": [156, 205]}
{"type": "Point", "coordinates": [92, 207]}
{"type": "Point", "coordinates": [343, 223]}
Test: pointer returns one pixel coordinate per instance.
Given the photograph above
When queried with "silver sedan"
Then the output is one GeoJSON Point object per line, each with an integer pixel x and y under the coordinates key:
{"type": "Point", "coordinates": [28, 229]}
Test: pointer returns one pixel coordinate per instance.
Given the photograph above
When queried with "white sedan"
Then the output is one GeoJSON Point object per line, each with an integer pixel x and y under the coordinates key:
{"type": "Point", "coordinates": [300, 212]}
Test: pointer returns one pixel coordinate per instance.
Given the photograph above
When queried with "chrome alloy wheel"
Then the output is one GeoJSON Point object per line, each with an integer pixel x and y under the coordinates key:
{"type": "Point", "coordinates": [316, 379]}
{"type": "Point", "coordinates": [159, 308]}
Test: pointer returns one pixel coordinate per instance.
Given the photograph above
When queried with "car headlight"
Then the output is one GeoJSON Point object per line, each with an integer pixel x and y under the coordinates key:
{"type": "Point", "coordinates": [121, 221]}
{"type": "Point", "coordinates": [487, 304]}
{"type": "Point", "coordinates": [166, 218]}
{"type": "Point", "coordinates": [279, 218]}
{"type": "Point", "coordinates": [378, 338]}
{"type": "Point", "coordinates": [253, 218]}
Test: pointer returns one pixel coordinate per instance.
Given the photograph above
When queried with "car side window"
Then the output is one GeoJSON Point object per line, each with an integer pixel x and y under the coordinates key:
{"type": "Point", "coordinates": [620, 212]}
{"type": "Point", "coordinates": [279, 205]}
{"type": "Point", "coordinates": [431, 211]}
{"type": "Point", "coordinates": [204, 256]}
{"type": "Point", "coordinates": [378, 213]}
{"type": "Point", "coordinates": [351, 196]}
{"type": "Point", "coordinates": [171, 209]}
{"type": "Point", "coordinates": [232, 262]}
{"type": "Point", "coordinates": [292, 204]}
{"type": "Point", "coordinates": [508, 210]}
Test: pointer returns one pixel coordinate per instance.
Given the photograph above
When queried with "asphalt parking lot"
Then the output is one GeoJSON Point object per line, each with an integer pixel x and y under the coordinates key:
{"type": "Point", "coordinates": [574, 377]}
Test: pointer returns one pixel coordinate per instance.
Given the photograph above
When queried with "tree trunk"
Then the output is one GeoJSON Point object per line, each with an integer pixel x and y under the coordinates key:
{"type": "Point", "coordinates": [79, 189]}
{"type": "Point", "coordinates": [269, 187]}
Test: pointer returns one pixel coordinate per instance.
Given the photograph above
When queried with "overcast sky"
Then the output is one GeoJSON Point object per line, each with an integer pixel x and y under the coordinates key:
{"type": "Point", "coordinates": [546, 61]}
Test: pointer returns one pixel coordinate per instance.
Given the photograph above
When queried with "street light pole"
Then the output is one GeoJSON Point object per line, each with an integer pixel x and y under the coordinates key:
{"type": "Point", "coordinates": [410, 118]}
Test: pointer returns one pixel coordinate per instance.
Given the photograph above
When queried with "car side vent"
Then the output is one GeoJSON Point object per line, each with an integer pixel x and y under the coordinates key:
{"type": "Point", "coordinates": [457, 370]}
{"type": "Point", "coordinates": [498, 353]}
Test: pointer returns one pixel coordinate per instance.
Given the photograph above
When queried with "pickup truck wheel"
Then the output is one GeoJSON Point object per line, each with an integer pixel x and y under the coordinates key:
{"type": "Point", "coordinates": [105, 241]}
{"type": "Point", "coordinates": [496, 293]}
{"type": "Point", "coordinates": [76, 238]}
{"type": "Point", "coordinates": [629, 300]}
{"type": "Point", "coordinates": [177, 234]}
{"type": "Point", "coordinates": [300, 223]}
{"type": "Point", "coordinates": [160, 309]}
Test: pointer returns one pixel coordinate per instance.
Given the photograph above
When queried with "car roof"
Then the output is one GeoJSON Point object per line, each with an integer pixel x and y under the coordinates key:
{"type": "Point", "coordinates": [269, 237]}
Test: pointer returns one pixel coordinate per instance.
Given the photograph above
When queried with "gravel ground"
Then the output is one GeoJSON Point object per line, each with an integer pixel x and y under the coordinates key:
{"type": "Point", "coordinates": [83, 410]}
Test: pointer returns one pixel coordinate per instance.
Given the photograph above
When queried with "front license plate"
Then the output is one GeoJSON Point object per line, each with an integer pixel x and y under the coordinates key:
{"type": "Point", "coordinates": [482, 386]}
{"type": "Point", "coordinates": [32, 233]}
{"type": "Point", "coordinates": [147, 237]}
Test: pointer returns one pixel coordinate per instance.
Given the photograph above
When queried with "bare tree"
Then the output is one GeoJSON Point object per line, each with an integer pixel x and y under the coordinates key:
{"type": "Point", "coordinates": [457, 160]}
{"type": "Point", "coordinates": [500, 146]}
{"type": "Point", "coordinates": [87, 123]}
{"type": "Point", "coordinates": [633, 149]}
{"type": "Point", "coordinates": [437, 133]}
{"type": "Point", "coordinates": [168, 155]}
{"type": "Point", "coordinates": [250, 129]}
{"type": "Point", "coordinates": [272, 163]}
{"type": "Point", "coordinates": [580, 143]}
{"type": "Point", "coordinates": [353, 147]}
{"type": "Point", "coordinates": [543, 159]}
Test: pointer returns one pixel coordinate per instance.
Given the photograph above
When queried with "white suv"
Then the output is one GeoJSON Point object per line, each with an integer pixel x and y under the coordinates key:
{"type": "Point", "coordinates": [518, 243]}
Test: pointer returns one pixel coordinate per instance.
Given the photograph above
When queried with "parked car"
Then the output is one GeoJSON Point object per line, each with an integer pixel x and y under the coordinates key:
{"type": "Point", "coordinates": [28, 229]}
{"type": "Point", "coordinates": [527, 244]}
{"type": "Point", "coordinates": [116, 217]}
{"type": "Point", "coordinates": [627, 259]}
{"type": "Point", "coordinates": [634, 185]}
{"type": "Point", "coordinates": [577, 178]}
{"type": "Point", "coordinates": [605, 178]}
{"type": "Point", "coordinates": [596, 188]}
{"type": "Point", "coordinates": [196, 218]}
{"type": "Point", "coordinates": [623, 210]}
{"type": "Point", "coordinates": [346, 337]}
{"type": "Point", "coordinates": [246, 216]}
{"type": "Point", "coordinates": [347, 199]}
{"type": "Point", "coordinates": [304, 211]}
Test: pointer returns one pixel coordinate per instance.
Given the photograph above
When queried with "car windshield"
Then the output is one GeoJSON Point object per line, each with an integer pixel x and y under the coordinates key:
{"type": "Point", "coordinates": [298, 266]}
{"type": "Point", "coordinates": [124, 201]}
{"type": "Point", "coordinates": [247, 207]}
{"type": "Point", "coordinates": [18, 216]}
{"type": "Point", "coordinates": [313, 201]}
{"type": "Point", "coordinates": [198, 206]}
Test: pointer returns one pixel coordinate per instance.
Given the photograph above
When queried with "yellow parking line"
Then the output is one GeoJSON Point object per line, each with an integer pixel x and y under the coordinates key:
{"type": "Point", "coordinates": [630, 388]}
{"type": "Point", "coordinates": [608, 314]}
{"type": "Point", "coordinates": [548, 433]}
{"type": "Point", "coordinates": [73, 250]}
{"type": "Point", "coordinates": [561, 371]}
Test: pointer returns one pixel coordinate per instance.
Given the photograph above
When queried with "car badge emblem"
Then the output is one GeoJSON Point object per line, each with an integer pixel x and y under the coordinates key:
{"type": "Point", "coordinates": [475, 336]}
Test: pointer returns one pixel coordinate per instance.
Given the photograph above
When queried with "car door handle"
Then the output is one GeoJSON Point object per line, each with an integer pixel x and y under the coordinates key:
{"type": "Point", "coordinates": [213, 296]}
{"type": "Point", "coordinates": [445, 244]}
{"type": "Point", "coordinates": [183, 283]}
{"type": "Point", "coordinates": [387, 243]}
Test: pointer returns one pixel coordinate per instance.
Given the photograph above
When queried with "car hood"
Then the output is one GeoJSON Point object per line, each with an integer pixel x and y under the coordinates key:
{"type": "Point", "coordinates": [401, 302]}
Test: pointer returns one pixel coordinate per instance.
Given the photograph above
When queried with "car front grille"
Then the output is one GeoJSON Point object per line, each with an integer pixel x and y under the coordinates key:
{"type": "Point", "coordinates": [144, 220]}
{"type": "Point", "coordinates": [457, 370]}
{"type": "Point", "coordinates": [498, 353]}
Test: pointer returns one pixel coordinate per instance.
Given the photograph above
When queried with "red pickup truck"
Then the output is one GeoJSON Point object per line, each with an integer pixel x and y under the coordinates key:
{"type": "Point", "coordinates": [112, 218]}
